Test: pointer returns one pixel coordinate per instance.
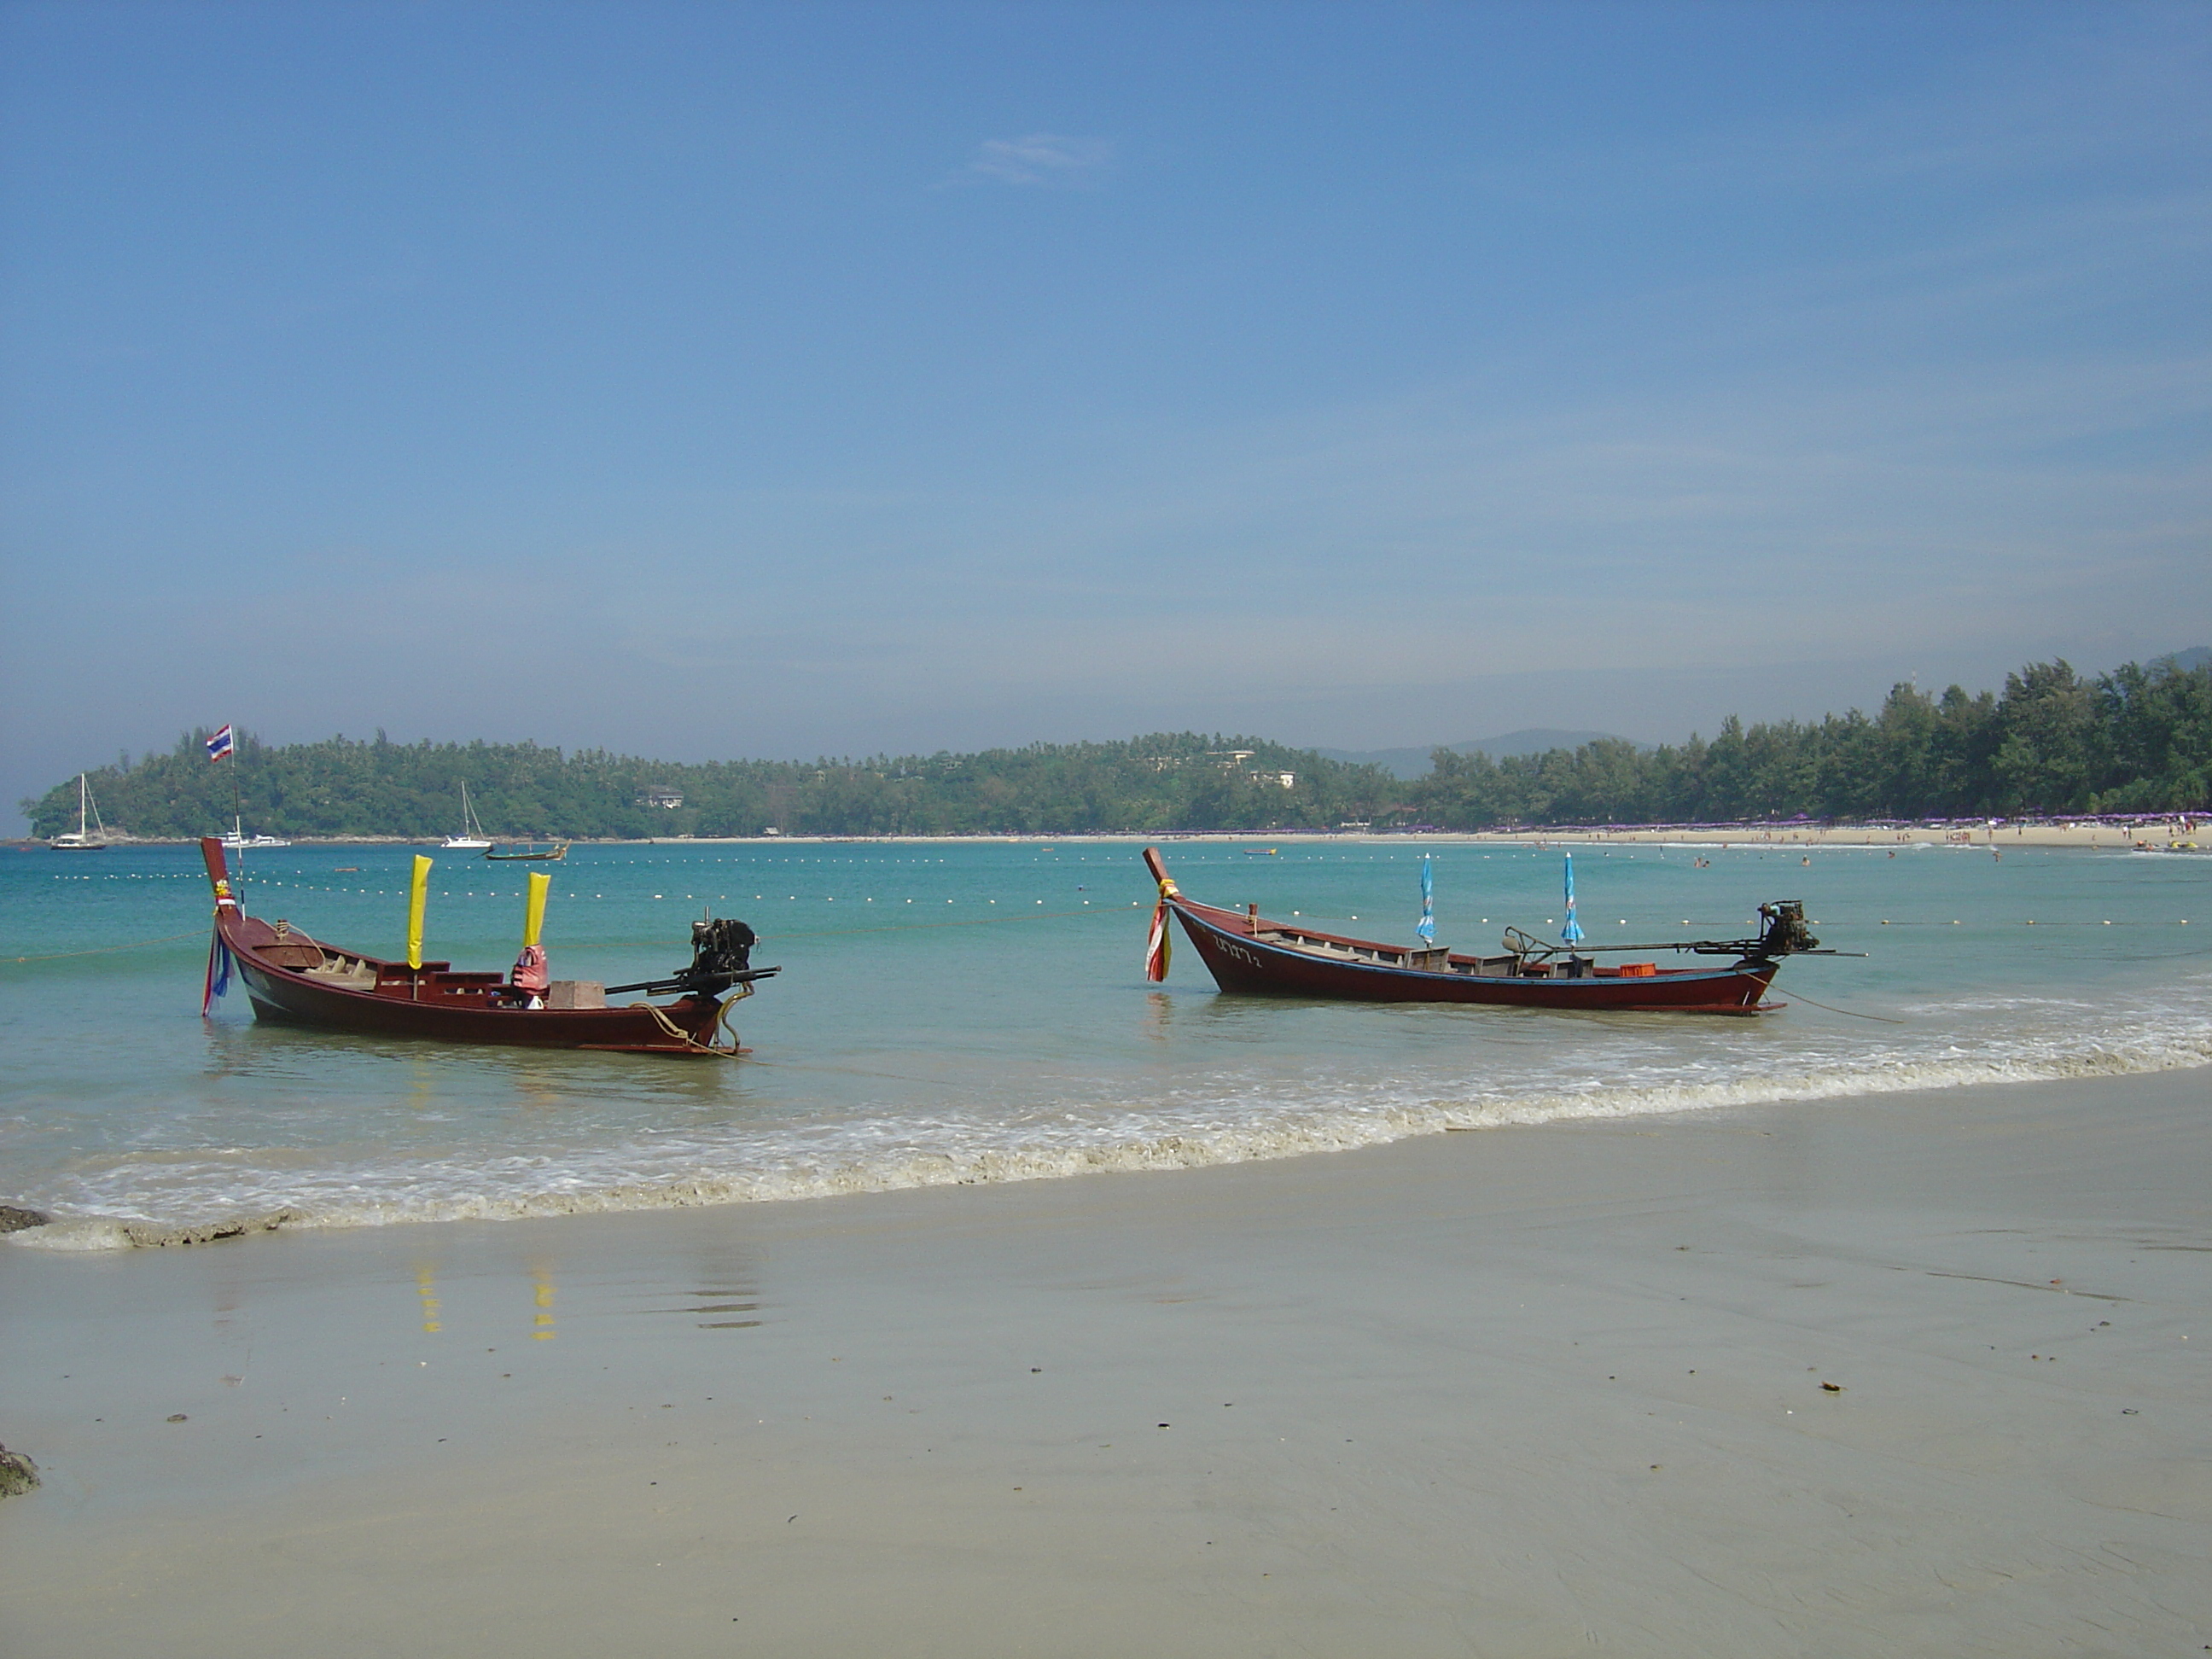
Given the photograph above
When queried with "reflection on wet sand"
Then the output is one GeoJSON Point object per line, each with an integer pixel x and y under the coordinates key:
{"type": "Point", "coordinates": [732, 1289]}
{"type": "Point", "coordinates": [542, 1322]}
{"type": "Point", "coordinates": [729, 1287]}
{"type": "Point", "coordinates": [720, 1292]}
{"type": "Point", "coordinates": [711, 1302]}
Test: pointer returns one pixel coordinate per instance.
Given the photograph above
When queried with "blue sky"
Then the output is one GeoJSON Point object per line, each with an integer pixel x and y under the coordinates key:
{"type": "Point", "coordinates": [703, 381]}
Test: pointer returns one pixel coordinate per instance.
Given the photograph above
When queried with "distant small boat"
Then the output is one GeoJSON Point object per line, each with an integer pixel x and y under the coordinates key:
{"type": "Point", "coordinates": [238, 842]}
{"type": "Point", "coordinates": [472, 838]}
{"type": "Point", "coordinates": [81, 840]}
{"type": "Point", "coordinates": [1260, 852]}
{"type": "Point", "coordinates": [527, 851]}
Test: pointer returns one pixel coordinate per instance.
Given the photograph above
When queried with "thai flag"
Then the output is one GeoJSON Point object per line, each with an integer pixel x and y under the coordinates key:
{"type": "Point", "coordinates": [220, 745]}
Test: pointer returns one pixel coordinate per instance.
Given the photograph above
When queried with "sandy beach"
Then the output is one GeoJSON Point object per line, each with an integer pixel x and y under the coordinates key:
{"type": "Point", "coordinates": [2173, 835]}
{"type": "Point", "coordinates": [2176, 834]}
{"type": "Point", "coordinates": [1525, 1391]}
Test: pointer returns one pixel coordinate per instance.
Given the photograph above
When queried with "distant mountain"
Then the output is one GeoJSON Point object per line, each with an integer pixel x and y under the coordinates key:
{"type": "Point", "coordinates": [2195, 657]}
{"type": "Point", "coordinates": [1415, 763]}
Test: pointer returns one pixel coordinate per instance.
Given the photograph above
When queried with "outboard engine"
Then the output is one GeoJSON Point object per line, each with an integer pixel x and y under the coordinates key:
{"type": "Point", "coordinates": [722, 957]}
{"type": "Point", "coordinates": [721, 951]}
{"type": "Point", "coordinates": [1784, 932]}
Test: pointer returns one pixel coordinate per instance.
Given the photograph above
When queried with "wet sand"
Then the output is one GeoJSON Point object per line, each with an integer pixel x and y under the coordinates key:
{"type": "Point", "coordinates": [1519, 1392]}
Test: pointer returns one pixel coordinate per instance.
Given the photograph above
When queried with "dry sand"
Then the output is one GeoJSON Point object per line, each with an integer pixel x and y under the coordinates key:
{"type": "Point", "coordinates": [2178, 835]}
{"type": "Point", "coordinates": [1529, 1391]}
{"type": "Point", "coordinates": [2167, 837]}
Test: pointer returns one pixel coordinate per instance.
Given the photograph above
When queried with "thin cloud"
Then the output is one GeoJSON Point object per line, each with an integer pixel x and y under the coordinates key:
{"type": "Point", "coordinates": [1039, 158]}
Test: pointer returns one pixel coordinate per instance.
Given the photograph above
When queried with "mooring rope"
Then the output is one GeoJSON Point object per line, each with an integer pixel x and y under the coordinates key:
{"type": "Point", "coordinates": [1801, 997]}
{"type": "Point", "coordinates": [106, 949]}
{"type": "Point", "coordinates": [721, 1022]}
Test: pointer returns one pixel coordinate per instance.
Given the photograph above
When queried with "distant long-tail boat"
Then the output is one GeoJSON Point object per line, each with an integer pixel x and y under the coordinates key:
{"type": "Point", "coordinates": [298, 980]}
{"type": "Point", "coordinates": [1246, 951]}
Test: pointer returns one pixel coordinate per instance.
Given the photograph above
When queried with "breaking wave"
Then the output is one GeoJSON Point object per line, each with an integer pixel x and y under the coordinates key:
{"type": "Point", "coordinates": [216, 1196]}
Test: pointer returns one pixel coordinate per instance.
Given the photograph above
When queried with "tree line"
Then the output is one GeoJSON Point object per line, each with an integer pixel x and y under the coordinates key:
{"type": "Point", "coordinates": [349, 787]}
{"type": "Point", "coordinates": [2138, 740]}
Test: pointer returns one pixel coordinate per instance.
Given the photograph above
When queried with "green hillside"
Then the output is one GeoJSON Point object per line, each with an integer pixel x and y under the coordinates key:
{"type": "Point", "coordinates": [346, 786]}
{"type": "Point", "coordinates": [2136, 739]}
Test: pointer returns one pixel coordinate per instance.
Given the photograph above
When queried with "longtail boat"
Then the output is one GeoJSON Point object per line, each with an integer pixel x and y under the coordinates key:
{"type": "Point", "coordinates": [297, 979]}
{"type": "Point", "coordinates": [1246, 951]}
{"type": "Point", "coordinates": [527, 851]}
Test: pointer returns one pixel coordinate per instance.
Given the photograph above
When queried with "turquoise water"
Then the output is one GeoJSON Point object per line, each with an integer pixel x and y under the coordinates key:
{"type": "Point", "coordinates": [977, 1012]}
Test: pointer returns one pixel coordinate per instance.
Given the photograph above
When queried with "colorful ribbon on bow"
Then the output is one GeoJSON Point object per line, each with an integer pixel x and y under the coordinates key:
{"type": "Point", "coordinates": [1160, 945]}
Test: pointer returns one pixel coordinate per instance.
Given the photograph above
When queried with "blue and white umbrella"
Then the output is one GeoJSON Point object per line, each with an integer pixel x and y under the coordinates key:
{"type": "Point", "coordinates": [1426, 927]}
{"type": "Point", "coordinates": [1573, 930]}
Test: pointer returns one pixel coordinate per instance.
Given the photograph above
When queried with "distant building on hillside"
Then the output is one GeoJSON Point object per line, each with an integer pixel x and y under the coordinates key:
{"type": "Point", "coordinates": [669, 798]}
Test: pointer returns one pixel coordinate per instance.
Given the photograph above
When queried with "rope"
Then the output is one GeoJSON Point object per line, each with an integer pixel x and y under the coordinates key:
{"type": "Point", "coordinates": [104, 949]}
{"type": "Point", "coordinates": [302, 934]}
{"type": "Point", "coordinates": [1853, 1012]}
{"type": "Point", "coordinates": [721, 1021]}
{"type": "Point", "coordinates": [844, 932]}
{"type": "Point", "coordinates": [679, 1034]}
{"type": "Point", "coordinates": [981, 921]}
{"type": "Point", "coordinates": [2175, 923]}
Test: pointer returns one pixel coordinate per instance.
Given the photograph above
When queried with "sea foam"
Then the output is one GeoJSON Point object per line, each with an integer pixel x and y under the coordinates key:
{"type": "Point", "coordinates": [1188, 1130]}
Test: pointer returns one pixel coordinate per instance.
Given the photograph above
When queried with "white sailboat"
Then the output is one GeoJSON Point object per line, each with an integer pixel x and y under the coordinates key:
{"type": "Point", "coordinates": [472, 838]}
{"type": "Point", "coordinates": [83, 840]}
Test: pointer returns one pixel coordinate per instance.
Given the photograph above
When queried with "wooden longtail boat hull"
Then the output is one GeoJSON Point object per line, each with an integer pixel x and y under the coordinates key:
{"type": "Point", "coordinates": [294, 979]}
{"type": "Point", "coordinates": [1239, 960]}
{"type": "Point", "coordinates": [1247, 952]}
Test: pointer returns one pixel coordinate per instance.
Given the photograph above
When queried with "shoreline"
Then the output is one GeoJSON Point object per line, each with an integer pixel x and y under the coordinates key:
{"type": "Point", "coordinates": [97, 1236]}
{"type": "Point", "coordinates": [2156, 835]}
{"type": "Point", "coordinates": [1515, 1391]}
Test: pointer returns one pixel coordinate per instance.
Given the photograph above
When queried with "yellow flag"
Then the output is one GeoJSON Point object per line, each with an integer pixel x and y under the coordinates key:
{"type": "Point", "coordinates": [533, 914]}
{"type": "Point", "coordinates": [418, 895]}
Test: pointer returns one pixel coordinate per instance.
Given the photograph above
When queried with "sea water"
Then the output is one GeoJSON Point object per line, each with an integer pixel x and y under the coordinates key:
{"type": "Point", "coordinates": [978, 1012]}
